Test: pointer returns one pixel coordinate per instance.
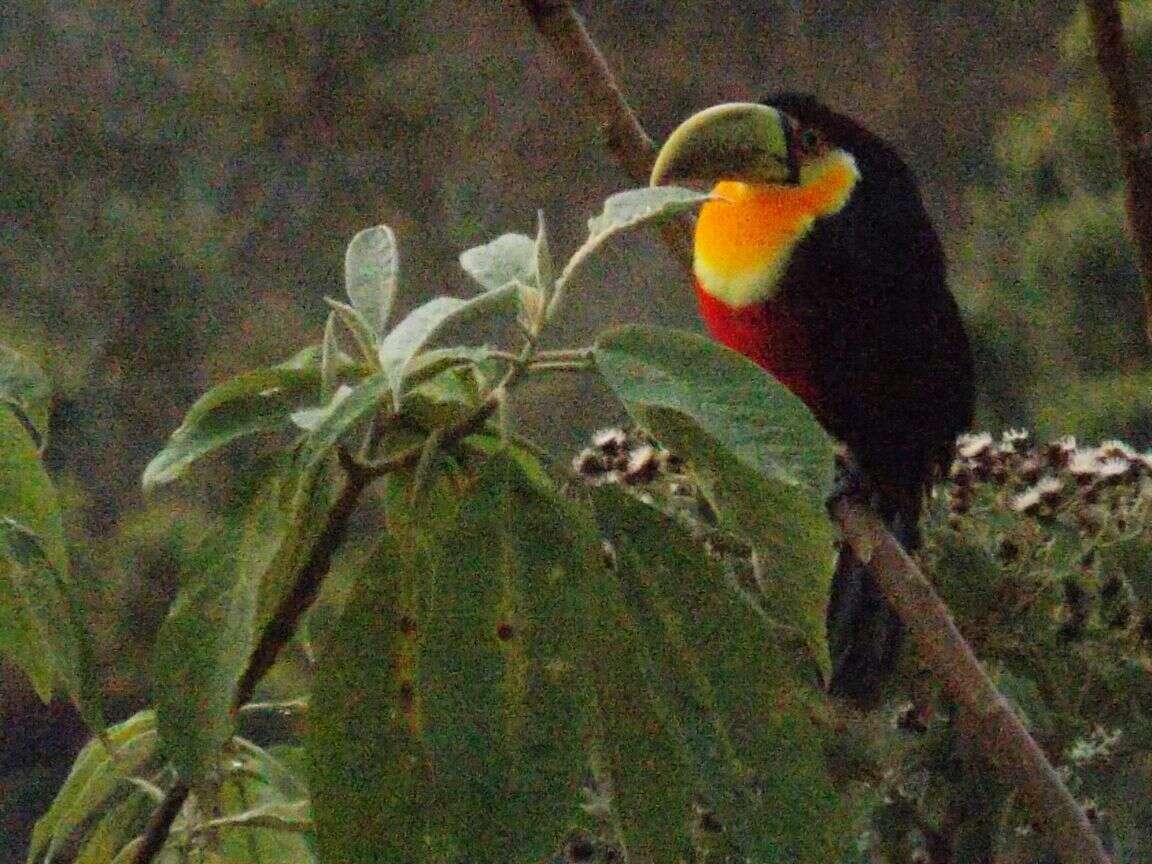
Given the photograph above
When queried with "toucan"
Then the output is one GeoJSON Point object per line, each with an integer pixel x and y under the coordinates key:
{"type": "Point", "coordinates": [815, 258]}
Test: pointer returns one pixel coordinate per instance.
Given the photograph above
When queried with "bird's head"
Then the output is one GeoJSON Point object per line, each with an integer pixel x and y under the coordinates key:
{"type": "Point", "coordinates": [775, 169]}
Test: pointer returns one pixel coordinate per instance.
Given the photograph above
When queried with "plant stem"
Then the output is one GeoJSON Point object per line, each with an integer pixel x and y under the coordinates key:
{"type": "Point", "coordinates": [1112, 56]}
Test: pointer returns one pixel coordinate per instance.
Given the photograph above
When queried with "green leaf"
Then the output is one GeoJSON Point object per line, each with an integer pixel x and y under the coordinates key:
{"type": "Point", "coordinates": [241, 576]}
{"type": "Point", "coordinates": [19, 641]}
{"type": "Point", "coordinates": [309, 418]}
{"type": "Point", "coordinates": [27, 496]}
{"type": "Point", "coordinates": [283, 529]}
{"type": "Point", "coordinates": [545, 270]}
{"type": "Point", "coordinates": [358, 327]}
{"type": "Point", "coordinates": [749, 413]}
{"type": "Point", "coordinates": [95, 775]}
{"type": "Point", "coordinates": [364, 748]}
{"type": "Point", "coordinates": [26, 388]}
{"type": "Point", "coordinates": [430, 364]}
{"type": "Point", "coordinates": [364, 401]}
{"type": "Point", "coordinates": [755, 758]}
{"type": "Point", "coordinates": [115, 830]}
{"type": "Point", "coordinates": [293, 817]}
{"type": "Point", "coordinates": [41, 622]}
{"type": "Point", "coordinates": [507, 259]}
{"type": "Point", "coordinates": [634, 206]}
{"type": "Point", "coordinates": [426, 322]}
{"type": "Point", "coordinates": [201, 651]}
{"type": "Point", "coordinates": [642, 767]}
{"type": "Point", "coordinates": [329, 358]}
{"type": "Point", "coordinates": [503, 705]}
{"type": "Point", "coordinates": [370, 272]}
{"type": "Point", "coordinates": [760, 455]}
{"type": "Point", "coordinates": [256, 401]}
{"type": "Point", "coordinates": [447, 726]}
{"type": "Point", "coordinates": [786, 525]}
{"type": "Point", "coordinates": [55, 610]}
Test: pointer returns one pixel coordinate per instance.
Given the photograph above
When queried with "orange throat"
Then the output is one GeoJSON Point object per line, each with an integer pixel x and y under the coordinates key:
{"type": "Point", "coordinates": [745, 238]}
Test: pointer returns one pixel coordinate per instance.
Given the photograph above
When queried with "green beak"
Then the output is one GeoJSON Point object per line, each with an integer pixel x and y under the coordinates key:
{"type": "Point", "coordinates": [736, 141]}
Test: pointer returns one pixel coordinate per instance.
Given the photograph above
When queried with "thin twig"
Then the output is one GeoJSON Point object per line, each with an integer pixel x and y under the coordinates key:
{"type": "Point", "coordinates": [558, 22]}
{"type": "Point", "coordinates": [1112, 56]}
{"type": "Point", "coordinates": [1009, 748]}
{"type": "Point", "coordinates": [941, 646]}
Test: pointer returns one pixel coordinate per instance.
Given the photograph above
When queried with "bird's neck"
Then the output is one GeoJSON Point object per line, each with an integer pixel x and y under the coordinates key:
{"type": "Point", "coordinates": [746, 236]}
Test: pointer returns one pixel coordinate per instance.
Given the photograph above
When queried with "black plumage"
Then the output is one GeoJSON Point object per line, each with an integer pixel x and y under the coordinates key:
{"type": "Point", "coordinates": [890, 360]}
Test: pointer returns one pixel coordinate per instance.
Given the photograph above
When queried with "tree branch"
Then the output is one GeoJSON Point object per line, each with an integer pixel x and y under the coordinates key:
{"type": "Point", "coordinates": [930, 626]}
{"type": "Point", "coordinates": [276, 635]}
{"type": "Point", "coordinates": [943, 650]}
{"type": "Point", "coordinates": [1135, 145]}
{"type": "Point", "coordinates": [606, 106]}
{"type": "Point", "coordinates": [286, 619]}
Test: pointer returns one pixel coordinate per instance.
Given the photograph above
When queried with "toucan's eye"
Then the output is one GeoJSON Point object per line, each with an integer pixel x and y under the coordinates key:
{"type": "Point", "coordinates": [809, 139]}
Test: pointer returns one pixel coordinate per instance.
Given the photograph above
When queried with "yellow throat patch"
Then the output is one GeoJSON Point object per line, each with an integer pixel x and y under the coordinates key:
{"type": "Point", "coordinates": [743, 242]}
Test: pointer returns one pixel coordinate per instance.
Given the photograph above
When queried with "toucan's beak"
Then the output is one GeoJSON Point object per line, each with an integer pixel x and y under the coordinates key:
{"type": "Point", "coordinates": [741, 141]}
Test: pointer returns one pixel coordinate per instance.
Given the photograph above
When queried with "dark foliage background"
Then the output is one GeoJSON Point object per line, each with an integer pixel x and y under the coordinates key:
{"type": "Point", "coordinates": [178, 182]}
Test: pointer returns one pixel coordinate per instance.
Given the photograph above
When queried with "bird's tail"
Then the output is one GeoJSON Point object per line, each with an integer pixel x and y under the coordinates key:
{"type": "Point", "coordinates": [864, 631]}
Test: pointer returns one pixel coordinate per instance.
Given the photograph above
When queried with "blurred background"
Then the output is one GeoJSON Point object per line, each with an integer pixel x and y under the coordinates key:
{"type": "Point", "coordinates": [178, 181]}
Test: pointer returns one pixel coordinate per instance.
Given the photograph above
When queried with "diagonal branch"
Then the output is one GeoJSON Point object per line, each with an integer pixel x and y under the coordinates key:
{"type": "Point", "coordinates": [1135, 145]}
{"type": "Point", "coordinates": [624, 137]}
{"type": "Point", "coordinates": [940, 644]}
{"type": "Point", "coordinates": [942, 649]}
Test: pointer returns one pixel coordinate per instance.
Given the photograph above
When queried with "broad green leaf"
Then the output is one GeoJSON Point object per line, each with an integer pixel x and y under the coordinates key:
{"type": "Point", "coordinates": [634, 206]}
{"type": "Point", "coordinates": [749, 413]}
{"type": "Point", "coordinates": [507, 259]}
{"type": "Point", "coordinates": [640, 759]}
{"type": "Point", "coordinates": [256, 401]}
{"type": "Point", "coordinates": [760, 455]}
{"type": "Point", "coordinates": [55, 610]}
{"type": "Point", "coordinates": [95, 775]}
{"type": "Point", "coordinates": [28, 496]}
{"type": "Point", "coordinates": [24, 387]}
{"type": "Point", "coordinates": [367, 766]}
{"type": "Point", "coordinates": [370, 270]}
{"type": "Point", "coordinates": [19, 641]}
{"type": "Point", "coordinates": [786, 525]}
{"type": "Point", "coordinates": [756, 762]}
{"type": "Point", "coordinates": [424, 323]}
{"type": "Point", "coordinates": [503, 706]}
{"type": "Point", "coordinates": [446, 726]}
